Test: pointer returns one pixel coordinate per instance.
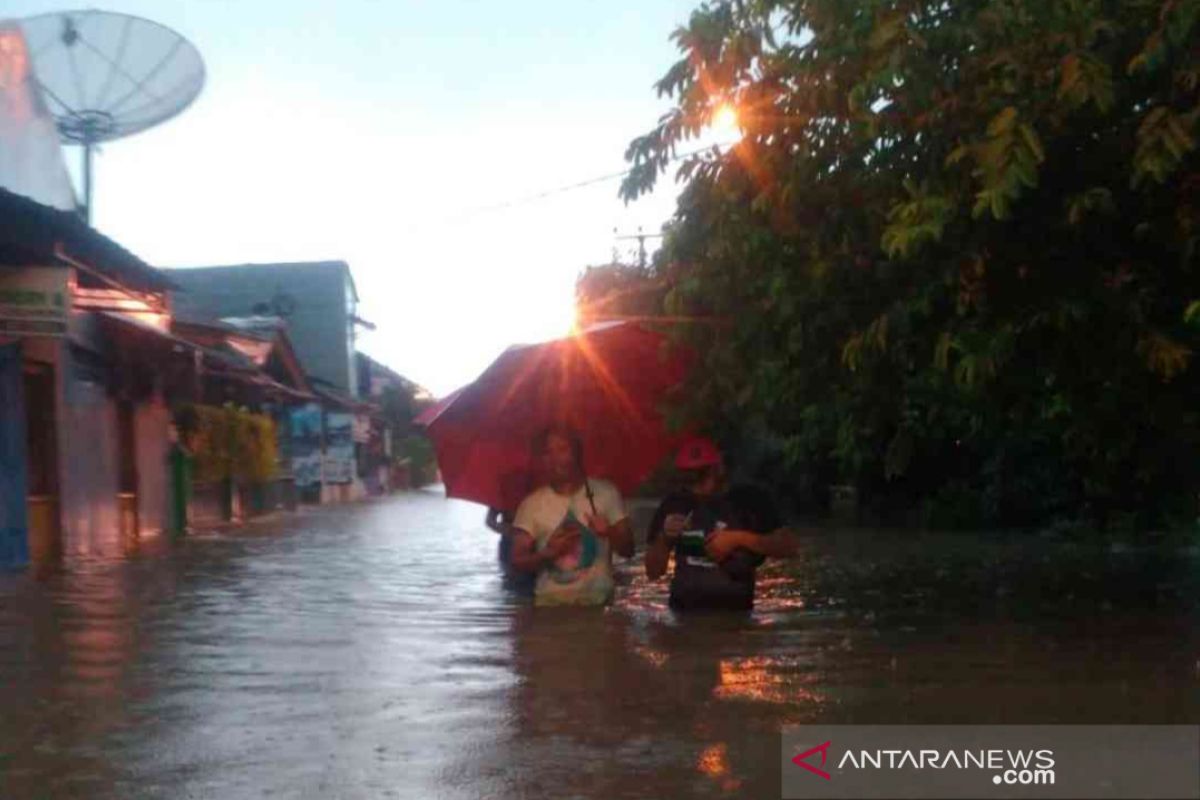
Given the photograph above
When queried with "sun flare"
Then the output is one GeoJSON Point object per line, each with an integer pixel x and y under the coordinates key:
{"type": "Point", "coordinates": [725, 122]}
{"type": "Point", "coordinates": [559, 322]}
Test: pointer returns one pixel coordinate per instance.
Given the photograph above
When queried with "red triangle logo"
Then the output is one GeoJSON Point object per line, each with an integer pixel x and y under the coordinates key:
{"type": "Point", "coordinates": [800, 761]}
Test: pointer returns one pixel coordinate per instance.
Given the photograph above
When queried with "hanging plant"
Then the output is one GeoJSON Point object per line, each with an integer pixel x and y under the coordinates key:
{"type": "Point", "coordinates": [229, 442]}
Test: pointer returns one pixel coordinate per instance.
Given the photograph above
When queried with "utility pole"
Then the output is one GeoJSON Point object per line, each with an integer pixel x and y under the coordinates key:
{"type": "Point", "coordinates": [641, 240]}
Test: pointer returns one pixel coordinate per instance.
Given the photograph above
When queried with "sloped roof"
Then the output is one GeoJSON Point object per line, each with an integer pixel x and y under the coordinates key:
{"type": "Point", "coordinates": [377, 368]}
{"type": "Point", "coordinates": [244, 348]}
{"type": "Point", "coordinates": [204, 273]}
{"type": "Point", "coordinates": [30, 234]}
{"type": "Point", "coordinates": [333, 396]}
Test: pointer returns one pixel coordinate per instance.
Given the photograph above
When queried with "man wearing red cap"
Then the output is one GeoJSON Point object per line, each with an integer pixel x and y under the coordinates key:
{"type": "Point", "coordinates": [719, 537]}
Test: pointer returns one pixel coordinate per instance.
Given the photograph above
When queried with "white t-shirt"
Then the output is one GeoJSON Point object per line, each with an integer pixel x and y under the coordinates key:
{"type": "Point", "coordinates": [583, 576]}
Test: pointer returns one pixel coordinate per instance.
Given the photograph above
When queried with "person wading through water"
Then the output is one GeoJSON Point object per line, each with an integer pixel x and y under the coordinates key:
{"type": "Point", "coordinates": [719, 536]}
{"type": "Point", "coordinates": [567, 531]}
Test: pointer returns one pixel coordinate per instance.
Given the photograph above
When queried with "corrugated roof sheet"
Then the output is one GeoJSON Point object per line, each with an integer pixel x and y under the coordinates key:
{"type": "Point", "coordinates": [30, 231]}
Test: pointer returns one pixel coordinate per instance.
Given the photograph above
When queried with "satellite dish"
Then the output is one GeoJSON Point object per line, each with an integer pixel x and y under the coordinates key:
{"type": "Point", "coordinates": [283, 304]}
{"type": "Point", "coordinates": [105, 75]}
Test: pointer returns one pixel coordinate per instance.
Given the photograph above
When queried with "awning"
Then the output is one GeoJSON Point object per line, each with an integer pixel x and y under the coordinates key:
{"type": "Point", "coordinates": [336, 399]}
{"type": "Point", "coordinates": [146, 332]}
{"type": "Point", "coordinates": [218, 364]}
{"type": "Point", "coordinates": [265, 383]}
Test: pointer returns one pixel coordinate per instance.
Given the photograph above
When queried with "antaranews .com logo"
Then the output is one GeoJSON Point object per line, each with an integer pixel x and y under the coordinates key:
{"type": "Point", "coordinates": [1011, 767]}
{"type": "Point", "coordinates": [896, 762]}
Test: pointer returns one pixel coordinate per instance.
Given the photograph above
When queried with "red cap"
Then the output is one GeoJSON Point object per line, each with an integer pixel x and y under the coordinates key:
{"type": "Point", "coordinates": [698, 453]}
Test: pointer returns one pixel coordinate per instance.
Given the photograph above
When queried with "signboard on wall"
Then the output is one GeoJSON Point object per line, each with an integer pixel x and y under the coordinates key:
{"type": "Point", "coordinates": [339, 447]}
{"type": "Point", "coordinates": [306, 445]}
{"type": "Point", "coordinates": [34, 301]}
{"type": "Point", "coordinates": [362, 428]}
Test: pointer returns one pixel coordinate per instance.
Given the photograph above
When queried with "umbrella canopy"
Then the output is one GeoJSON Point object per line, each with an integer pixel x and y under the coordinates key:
{"type": "Point", "coordinates": [608, 383]}
{"type": "Point", "coordinates": [430, 414]}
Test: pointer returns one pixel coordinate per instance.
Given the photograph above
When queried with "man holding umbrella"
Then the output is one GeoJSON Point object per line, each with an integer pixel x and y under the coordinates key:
{"type": "Point", "coordinates": [611, 382]}
{"type": "Point", "coordinates": [566, 531]}
{"type": "Point", "coordinates": [719, 535]}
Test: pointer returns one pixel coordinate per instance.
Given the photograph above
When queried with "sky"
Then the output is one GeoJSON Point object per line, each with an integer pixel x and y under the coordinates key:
{"type": "Point", "coordinates": [386, 134]}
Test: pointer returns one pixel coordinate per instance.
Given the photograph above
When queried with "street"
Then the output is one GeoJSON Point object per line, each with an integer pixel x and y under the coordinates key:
{"type": "Point", "coordinates": [372, 650]}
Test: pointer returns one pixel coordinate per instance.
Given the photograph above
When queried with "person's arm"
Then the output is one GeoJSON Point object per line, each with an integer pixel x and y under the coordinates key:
{"type": "Point", "coordinates": [524, 556]}
{"type": "Point", "coordinates": [610, 521]}
{"type": "Point", "coordinates": [661, 537]}
{"type": "Point", "coordinates": [780, 543]}
{"type": "Point", "coordinates": [619, 534]}
{"type": "Point", "coordinates": [492, 520]}
{"type": "Point", "coordinates": [658, 555]}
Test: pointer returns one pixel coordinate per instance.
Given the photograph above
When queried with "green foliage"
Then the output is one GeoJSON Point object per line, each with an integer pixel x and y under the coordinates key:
{"type": "Point", "coordinates": [1192, 314]}
{"type": "Point", "coordinates": [229, 443]}
{"type": "Point", "coordinates": [954, 252]}
{"type": "Point", "coordinates": [400, 407]}
{"type": "Point", "coordinates": [421, 457]}
{"type": "Point", "coordinates": [916, 221]}
{"type": "Point", "coordinates": [617, 291]}
{"type": "Point", "coordinates": [1007, 163]}
{"type": "Point", "coordinates": [1164, 140]}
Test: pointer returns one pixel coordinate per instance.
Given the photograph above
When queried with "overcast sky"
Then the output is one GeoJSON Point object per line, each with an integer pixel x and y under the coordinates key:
{"type": "Point", "coordinates": [375, 132]}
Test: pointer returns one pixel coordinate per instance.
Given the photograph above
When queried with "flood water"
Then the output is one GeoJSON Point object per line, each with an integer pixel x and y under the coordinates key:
{"type": "Point", "coordinates": [373, 651]}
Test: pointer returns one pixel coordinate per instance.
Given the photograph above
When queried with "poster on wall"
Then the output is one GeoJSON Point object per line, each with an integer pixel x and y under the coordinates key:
{"type": "Point", "coordinates": [33, 301]}
{"type": "Point", "coordinates": [339, 448]}
{"type": "Point", "coordinates": [306, 445]}
{"type": "Point", "coordinates": [362, 429]}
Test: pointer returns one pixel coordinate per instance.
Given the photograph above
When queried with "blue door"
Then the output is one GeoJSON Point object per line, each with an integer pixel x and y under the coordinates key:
{"type": "Point", "coordinates": [14, 518]}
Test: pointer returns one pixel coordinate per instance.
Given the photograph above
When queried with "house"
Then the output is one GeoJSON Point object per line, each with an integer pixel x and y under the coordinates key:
{"type": "Point", "coordinates": [346, 423]}
{"type": "Point", "coordinates": [399, 400]}
{"type": "Point", "coordinates": [317, 300]}
{"type": "Point", "coordinates": [87, 368]}
{"type": "Point", "coordinates": [375, 378]}
{"type": "Point", "coordinates": [249, 362]}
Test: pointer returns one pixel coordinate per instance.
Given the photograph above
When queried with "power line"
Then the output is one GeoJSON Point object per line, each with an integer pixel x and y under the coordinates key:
{"type": "Point", "coordinates": [533, 198]}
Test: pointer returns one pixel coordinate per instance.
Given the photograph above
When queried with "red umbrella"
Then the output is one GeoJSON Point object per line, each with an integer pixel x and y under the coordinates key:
{"type": "Point", "coordinates": [608, 382]}
{"type": "Point", "coordinates": [430, 414]}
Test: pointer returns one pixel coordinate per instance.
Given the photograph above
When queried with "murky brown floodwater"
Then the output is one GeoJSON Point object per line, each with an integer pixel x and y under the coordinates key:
{"type": "Point", "coordinates": [372, 651]}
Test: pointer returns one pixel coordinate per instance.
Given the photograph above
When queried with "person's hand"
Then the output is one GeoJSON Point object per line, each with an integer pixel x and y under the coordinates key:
{"type": "Point", "coordinates": [719, 545]}
{"type": "Point", "coordinates": [562, 541]}
{"type": "Point", "coordinates": [566, 528]}
{"type": "Point", "coordinates": [673, 526]}
{"type": "Point", "coordinates": [598, 523]}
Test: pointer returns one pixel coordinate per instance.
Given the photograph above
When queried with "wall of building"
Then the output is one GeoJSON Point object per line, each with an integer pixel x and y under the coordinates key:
{"type": "Point", "coordinates": [42, 354]}
{"type": "Point", "coordinates": [151, 425]}
{"type": "Point", "coordinates": [88, 460]}
{"type": "Point", "coordinates": [319, 295]}
{"type": "Point", "coordinates": [350, 304]}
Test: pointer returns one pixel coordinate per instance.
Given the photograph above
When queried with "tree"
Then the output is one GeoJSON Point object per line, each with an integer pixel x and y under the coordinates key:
{"type": "Point", "coordinates": [617, 291]}
{"type": "Point", "coordinates": [956, 247]}
{"type": "Point", "coordinates": [400, 405]}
